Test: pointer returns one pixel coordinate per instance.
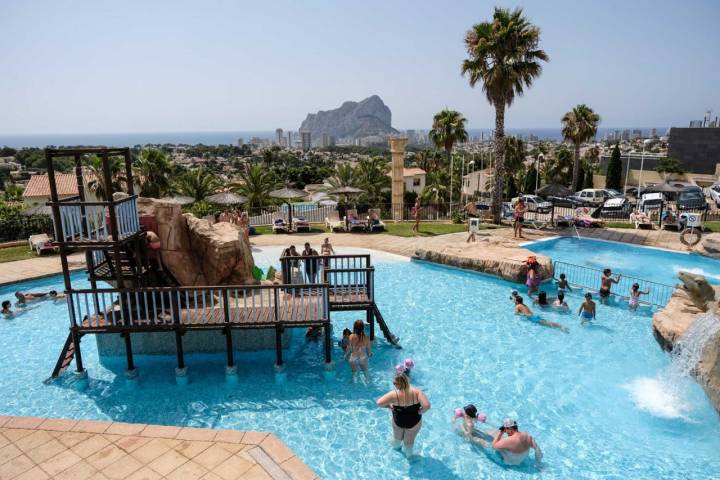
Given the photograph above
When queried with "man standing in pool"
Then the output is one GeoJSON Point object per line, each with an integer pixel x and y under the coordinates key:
{"type": "Point", "coordinates": [515, 446]}
{"type": "Point", "coordinates": [606, 282]}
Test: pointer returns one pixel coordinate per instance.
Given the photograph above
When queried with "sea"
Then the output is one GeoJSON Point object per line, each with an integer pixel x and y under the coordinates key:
{"type": "Point", "coordinates": [233, 137]}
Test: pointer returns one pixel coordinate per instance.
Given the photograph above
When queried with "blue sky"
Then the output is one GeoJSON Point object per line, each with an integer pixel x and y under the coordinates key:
{"type": "Point", "coordinates": [172, 65]}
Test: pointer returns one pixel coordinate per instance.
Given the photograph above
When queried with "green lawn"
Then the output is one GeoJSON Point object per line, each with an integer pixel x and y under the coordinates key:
{"type": "Point", "coordinates": [402, 229]}
{"type": "Point", "coordinates": [619, 225]}
{"type": "Point", "coordinates": [712, 226]}
{"type": "Point", "coordinates": [15, 253]}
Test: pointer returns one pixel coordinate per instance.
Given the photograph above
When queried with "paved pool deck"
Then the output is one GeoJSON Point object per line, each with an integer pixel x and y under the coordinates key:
{"type": "Point", "coordinates": [33, 448]}
{"type": "Point", "coordinates": [11, 272]}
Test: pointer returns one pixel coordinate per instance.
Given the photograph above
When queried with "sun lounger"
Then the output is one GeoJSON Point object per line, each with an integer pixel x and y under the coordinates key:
{"type": "Point", "coordinates": [42, 243]}
{"type": "Point", "coordinates": [279, 224]}
{"type": "Point", "coordinates": [583, 218]}
{"type": "Point", "coordinates": [374, 221]}
{"type": "Point", "coordinates": [333, 222]}
{"type": "Point", "coordinates": [671, 220]}
{"type": "Point", "coordinates": [301, 224]}
{"type": "Point", "coordinates": [353, 221]}
{"type": "Point", "coordinates": [641, 220]}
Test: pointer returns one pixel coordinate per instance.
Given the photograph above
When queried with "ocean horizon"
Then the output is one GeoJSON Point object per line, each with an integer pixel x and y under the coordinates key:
{"type": "Point", "coordinates": [231, 137]}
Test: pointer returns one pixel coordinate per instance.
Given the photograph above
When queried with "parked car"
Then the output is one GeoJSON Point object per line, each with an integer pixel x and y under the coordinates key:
{"type": "Point", "coordinates": [692, 199]}
{"type": "Point", "coordinates": [631, 192]}
{"type": "Point", "coordinates": [567, 202]}
{"type": "Point", "coordinates": [616, 208]}
{"type": "Point", "coordinates": [651, 201]}
{"type": "Point", "coordinates": [612, 193]}
{"type": "Point", "coordinates": [592, 196]}
{"type": "Point", "coordinates": [533, 203]}
{"type": "Point", "coordinates": [715, 194]}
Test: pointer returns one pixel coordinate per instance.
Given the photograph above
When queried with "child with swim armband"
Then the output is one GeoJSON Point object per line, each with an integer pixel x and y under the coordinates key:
{"type": "Point", "coordinates": [469, 415]}
{"type": "Point", "coordinates": [345, 339]}
{"type": "Point", "coordinates": [405, 367]}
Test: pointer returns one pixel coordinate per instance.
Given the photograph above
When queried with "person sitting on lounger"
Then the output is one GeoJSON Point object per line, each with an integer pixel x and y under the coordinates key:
{"type": "Point", "coordinates": [523, 310]}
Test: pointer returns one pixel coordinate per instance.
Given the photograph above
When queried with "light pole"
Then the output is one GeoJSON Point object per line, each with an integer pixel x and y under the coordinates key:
{"type": "Point", "coordinates": [451, 181]}
{"type": "Point", "coordinates": [642, 161]}
{"type": "Point", "coordinates": [627, 173]}
{"type": "Point", "coordinates": [470, 165]}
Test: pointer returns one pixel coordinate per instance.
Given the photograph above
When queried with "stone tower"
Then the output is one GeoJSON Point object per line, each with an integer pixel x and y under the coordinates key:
{"type": "Point", "coordinates": [397, 150]}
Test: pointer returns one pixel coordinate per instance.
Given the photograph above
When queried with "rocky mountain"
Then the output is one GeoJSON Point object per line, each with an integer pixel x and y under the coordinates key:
{"type": "Point", "coordinates": [353, 119]}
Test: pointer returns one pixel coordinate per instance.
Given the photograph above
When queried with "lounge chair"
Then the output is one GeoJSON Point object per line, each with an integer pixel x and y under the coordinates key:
{"type": "Point", "coordinates": [333, 222]}
{"type": "Point", "coordinates": [671, 220]}
{"type": "Point", "coordinates": [353, 221]}
{"type": "Point", "coordinates": [279, 224]}
{"type": "Point", "coordinates": [641, 220]}
{"type": "Point", "coordinates": [583, 218]}
{"type": "Point", "coordinates": [301, 224]}
{"type": "Point", "coordinates": [42, 243]}
{"type": "Point", "coordinates": [374, 221]}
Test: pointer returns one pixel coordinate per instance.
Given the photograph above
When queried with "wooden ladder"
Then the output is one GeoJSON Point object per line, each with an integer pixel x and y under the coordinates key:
{"type": "Point", "coordinates": [66, 357]}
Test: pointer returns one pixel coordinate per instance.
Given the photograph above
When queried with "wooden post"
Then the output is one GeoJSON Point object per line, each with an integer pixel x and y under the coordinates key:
{"type": "Point", "coordinates": [113, 219]}
{"type": "Point", "coordinates": [228, 330]}
{"type": "Point", "coordinates": [370, 318]}
{"type": "Point", "coordinates": [78, 356]}
{"type": "Point", "coordinates": [328, 343]}
{"type": "Point", "coordinates": [128, 172]}
{"type": "Point", "coordinates": [179, 349]}
{"type": "Point", "coordinates": [128, 352]}
{"type": "Point", "coordinates": [278, 345]}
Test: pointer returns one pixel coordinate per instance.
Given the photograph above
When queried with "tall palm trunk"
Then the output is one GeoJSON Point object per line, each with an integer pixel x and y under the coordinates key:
{"type": "Point", "coordinates": [499, 161]}
{"type": "Point", "coordinates": [448, 150]}
{"type": "Point", "coordinates": [576, 169]}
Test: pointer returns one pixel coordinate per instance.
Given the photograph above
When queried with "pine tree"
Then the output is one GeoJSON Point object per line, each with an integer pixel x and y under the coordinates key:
{"type": "Point", "coordinates": [530, 180]}
{"type": "Point", "coordinates": [613, 178]}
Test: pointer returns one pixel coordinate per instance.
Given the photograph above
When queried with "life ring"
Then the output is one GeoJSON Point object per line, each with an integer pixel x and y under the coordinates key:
{"type": "Point", "coordinates": [695, 233]}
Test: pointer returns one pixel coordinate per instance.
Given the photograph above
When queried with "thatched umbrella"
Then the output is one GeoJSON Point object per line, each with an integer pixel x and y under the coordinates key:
{"type": "Point", "coordinates": [346, 191]}
{"type": "Point", "coordinates": [180, 200]}
{"type": "Point", "coordinates": [226, 198]}
{"type": "Point", "coordinates": [287, 194]}
{"type": "Point", "coordinates": [553, 190]}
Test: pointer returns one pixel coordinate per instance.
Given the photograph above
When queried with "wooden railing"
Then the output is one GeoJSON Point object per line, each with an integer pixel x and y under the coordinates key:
{"type": "Point", "coordinates": [309, 269]}
{"type": "Point", "coordinates": [243, 306]}
{"type": "Point", "coordinates": [87, 222]}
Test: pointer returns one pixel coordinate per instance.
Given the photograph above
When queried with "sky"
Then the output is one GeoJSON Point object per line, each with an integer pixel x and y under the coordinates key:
{"type": "Point", "coordinates": [80, 66]}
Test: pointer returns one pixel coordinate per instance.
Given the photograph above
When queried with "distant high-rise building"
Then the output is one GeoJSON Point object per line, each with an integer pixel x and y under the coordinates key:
{"type": "Point", "coordinates": [626, 134]}
{"type": "Point", "coordinates": [637, 134]}
{"type": "Point", "coordinates": [410, 134]}
{"type": "Point", "coordinates": [241, 142]}
{"type": "Point", "coordinates": [289, 139]}
{"type": "Point", "coordinates": [653, 133]}
{"type": "Point", "coordinates": [305, 140]}
{"type": "Point", "coordinates": [324, 140]}
{"type": "Point", "coordinates": [279, 136]}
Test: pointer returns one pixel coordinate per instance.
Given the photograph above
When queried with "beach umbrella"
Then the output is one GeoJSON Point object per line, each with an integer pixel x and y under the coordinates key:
{"type": "Point", "coordinates": [346, 190]}
{"type": "Point", "coordinates": [226, 198]}
{"type": "Point", "coordinates": [327, 202]}
{"type": "Point", "coordinates": [180, 200]}
{"type": "Point", "coordinates": [37, 210]}
{"type": "Point", "coordinates": [286, 194]}
{"type": "Point", "coordinates": [554, 190]}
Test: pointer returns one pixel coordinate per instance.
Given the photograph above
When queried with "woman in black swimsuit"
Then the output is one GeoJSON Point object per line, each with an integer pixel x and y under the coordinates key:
{"type": "Point", "coordinates": [408, 404]}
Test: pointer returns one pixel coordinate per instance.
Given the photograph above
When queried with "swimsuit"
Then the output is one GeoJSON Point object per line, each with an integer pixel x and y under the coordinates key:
{"type": "Point", "coordinates": [634, 299]}
{"type": "Point", "coordinates": [604, 292]}
{"type": "Point", "coordinates": [406, 416]}
{"type": "Point", "coordinates": [587, 315]}
{"type": "Point", "coordinates": [534, 318]}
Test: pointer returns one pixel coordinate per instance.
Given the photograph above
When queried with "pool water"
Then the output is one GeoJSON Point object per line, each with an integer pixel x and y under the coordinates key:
{"type": "Point", "coordinates": [598, 400]}
{"type": "Point", "coordinates": [653, 264]}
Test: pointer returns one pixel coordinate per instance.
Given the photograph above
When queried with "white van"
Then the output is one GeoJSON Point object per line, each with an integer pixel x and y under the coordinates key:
{"type": "Point", "coordinates": [651, 201]}
{"type": "Point", "coordinates": [592, 196]}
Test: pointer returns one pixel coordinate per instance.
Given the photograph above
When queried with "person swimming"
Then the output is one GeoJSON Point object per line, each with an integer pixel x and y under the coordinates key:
{"type": "Point", "coordinates": [560, 303]}
{"type": "Point", "coordinates": [635, 292]}
{"type": "Point", "coordinates": [563, 284]}
{"type": "Point", "coordinates": [587, 309]}
{"type": "Point", "coordinates": [23, 298]}
{"type": "Point", "coordinates": [345, 339]}
{"type": "Point", "coordinates": [542, 299]}
{"type": "Point", "coordinates": [523, 310]}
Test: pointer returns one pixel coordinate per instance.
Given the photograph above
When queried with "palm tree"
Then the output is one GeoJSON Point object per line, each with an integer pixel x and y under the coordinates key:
{"type": "Point", "coordinates": [504, 57]}
{"type": "Point", "coordinates": [97, 184]}
{"type": "Point", "coordinates": [579, 125]}
{"type": "Point", "coordinates": [448, 128]}
{"type": "Point", "coordinates": [345, 176]}
{"type": "Point", "coordinates": [372, 175]}
{"type": "Point", "coordinates": [154, 168]}
{"type": "Point", "coordinates": [198, 183]}
{"type": "Point", "coordinates": [256, 184]}
{"type": "Point", "coordinates": [436, 189]}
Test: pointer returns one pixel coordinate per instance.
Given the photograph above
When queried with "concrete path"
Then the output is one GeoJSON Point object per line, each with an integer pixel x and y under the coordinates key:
{"type": "Point", "coordinates": [33, 448]}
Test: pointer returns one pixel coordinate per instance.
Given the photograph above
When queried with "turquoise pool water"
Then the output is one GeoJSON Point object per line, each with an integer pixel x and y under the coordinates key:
{"type": "Point", "coordinates": [598, 400]}
{"type": "Point", "coordinates": [653, 264]}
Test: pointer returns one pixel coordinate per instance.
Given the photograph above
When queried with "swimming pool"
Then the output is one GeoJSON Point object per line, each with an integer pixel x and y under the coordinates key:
{"type": "Point", "coordinates": [598, 400]}
{"type": "Point", "coordinates": [653, 264]}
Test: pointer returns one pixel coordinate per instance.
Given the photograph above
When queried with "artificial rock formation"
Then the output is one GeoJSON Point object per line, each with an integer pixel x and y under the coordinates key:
{"type": "Point", "coordinates": [495, 256]}
{"type": "Point", "coordinates": [195, 252]}
{"type": "Point", "coordinates": [687, 303]}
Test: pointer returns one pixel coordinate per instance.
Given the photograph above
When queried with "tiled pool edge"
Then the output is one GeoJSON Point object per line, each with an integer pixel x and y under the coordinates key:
{"type": "Point", "coordinates": [37, 447]}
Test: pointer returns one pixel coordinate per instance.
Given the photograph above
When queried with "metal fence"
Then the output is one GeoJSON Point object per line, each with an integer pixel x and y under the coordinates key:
{"type": "Point", "coordinates": [312, 213]}
{"type": "Point", "coordinates": [586, 277]}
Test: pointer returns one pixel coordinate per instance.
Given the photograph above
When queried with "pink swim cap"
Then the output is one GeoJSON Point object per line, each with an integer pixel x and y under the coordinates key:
{"type": "Point", "coordinates": [459, 413]}
{"type": "Point", "coordinates": [482, 417]}
{"type": "Point", "coordinates": [409, 363]}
